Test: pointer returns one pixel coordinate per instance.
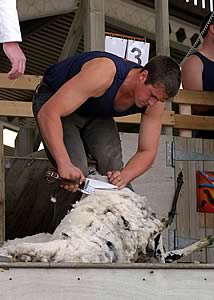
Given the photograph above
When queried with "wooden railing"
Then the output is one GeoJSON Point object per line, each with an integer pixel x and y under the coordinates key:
{"type": "Point", "coordinates": [183, 120]}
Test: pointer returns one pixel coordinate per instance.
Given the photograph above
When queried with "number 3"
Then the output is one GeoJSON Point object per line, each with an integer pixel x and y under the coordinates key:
{"type": "Point", "coordinates": [137, 56]}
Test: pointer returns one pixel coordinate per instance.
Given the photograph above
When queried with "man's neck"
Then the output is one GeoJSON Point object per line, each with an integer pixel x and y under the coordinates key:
{"type": "Point", "coordinates": [129, 84]}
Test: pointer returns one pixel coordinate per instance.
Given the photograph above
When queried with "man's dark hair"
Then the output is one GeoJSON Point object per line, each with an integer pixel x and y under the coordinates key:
{"type": "Point", "coordinates": [164, 71]}
{"type": "Point", "coordinates": [208, 19]}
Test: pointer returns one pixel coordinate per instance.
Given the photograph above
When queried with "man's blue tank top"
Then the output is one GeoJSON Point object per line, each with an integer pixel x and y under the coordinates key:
{"type": "Point", "coordinates": [208, 71]}
{"type": "Point", "coordinates": [56, 75]}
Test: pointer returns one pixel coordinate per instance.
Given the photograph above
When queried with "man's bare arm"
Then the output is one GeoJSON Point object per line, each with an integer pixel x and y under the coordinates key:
{"type": "Point", "coordinates": [191, 70]}
{"type": "Point", "coordinates": [92, 81]}
{"type": "Point", "coordinates": [148, 141]}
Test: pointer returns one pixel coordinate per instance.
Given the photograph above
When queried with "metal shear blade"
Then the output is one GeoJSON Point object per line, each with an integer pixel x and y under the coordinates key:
{"type": "Point", "coordinates": [87, 187]}
{"type": "Point", "coordinates": [91, 185]}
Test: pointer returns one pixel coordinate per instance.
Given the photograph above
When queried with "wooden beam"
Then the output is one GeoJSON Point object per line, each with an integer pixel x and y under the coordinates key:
{"type": "Point", "coordinates": [16, 108]}
{"type": "Point", "coordinates": [167, 118]}
{"type": "Point", "coordinates": [194, 97]}
{"type": "Point", "coordinates": [74, 35]}
{"type": "Point", "coordinates": [24, 109]}
{"type": "Point", "coordinates": [29, 10]}
{"type": "Point", "coordinates": [162, 27]}
{"type": "Point", "coordinates": [194, 122]}
{"type": "Point", "coordinates": [26, 82]}
{"type": "Point", "coordinates": [94, 25]}
{"type": "Point", "coordinates": [162, 40]}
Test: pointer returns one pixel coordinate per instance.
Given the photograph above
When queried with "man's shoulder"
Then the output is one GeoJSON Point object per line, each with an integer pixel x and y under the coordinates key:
{"type": "Point", "coordinates": [191, 60]}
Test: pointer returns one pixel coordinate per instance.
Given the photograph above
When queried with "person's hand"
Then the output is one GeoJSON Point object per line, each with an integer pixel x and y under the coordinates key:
{"type": "Point", "coordinates": [116, 178]}
{"type": "Point", "coordinates": [73, 173]}
{"type": "Point", "coordinates": [17, 59]}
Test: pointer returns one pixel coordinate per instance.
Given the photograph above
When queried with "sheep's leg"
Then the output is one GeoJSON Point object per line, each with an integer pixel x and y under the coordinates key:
{"type": "Point", "coordinates": [171, 256]}
{"type": "Point", "coordinates": [43, 252]}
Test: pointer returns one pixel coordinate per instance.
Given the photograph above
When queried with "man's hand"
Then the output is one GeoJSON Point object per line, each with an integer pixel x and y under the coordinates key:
{"type": "Point", "coordinates": [17, 59]}
{"type": "Point", "coordinates": [116, 178]}
{"type": "Point", "coordinates": [72, 173]}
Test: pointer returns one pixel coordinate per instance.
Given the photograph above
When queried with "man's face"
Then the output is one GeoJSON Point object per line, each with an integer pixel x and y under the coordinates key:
{"type": "Point", "coordinates": [148, 94]}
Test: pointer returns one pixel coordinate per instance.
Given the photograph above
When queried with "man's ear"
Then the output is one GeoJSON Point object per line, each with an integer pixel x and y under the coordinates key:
{"type": "Point", "coordinates": [144, 75]}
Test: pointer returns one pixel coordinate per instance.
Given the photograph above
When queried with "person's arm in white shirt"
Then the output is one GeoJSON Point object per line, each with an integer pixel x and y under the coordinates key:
{"type": "Point", "coordinates": [10, 35]}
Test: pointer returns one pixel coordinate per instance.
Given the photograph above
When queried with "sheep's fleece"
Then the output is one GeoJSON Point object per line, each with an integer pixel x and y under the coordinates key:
{"type": "Point", "coordinates": [106, 226]}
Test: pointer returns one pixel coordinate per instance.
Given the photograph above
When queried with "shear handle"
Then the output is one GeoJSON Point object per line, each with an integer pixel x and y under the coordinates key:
{"type": "Point", "coordinates": [52, 176]}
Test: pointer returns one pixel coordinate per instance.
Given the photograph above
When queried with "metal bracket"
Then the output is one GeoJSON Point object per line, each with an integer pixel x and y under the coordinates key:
{"type": "Point", "coordinates": [172, 242]}
{"type": "Point", "coordinates": [170, 162]}
{"type": "Point", "coordinates": [173, 155]}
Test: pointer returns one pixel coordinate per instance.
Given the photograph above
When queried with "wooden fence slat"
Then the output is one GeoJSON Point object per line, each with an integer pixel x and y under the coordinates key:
{"type": "Point", "coordinates": [194, 97]}
{"type": "Point", "coordinates": [26, 82]}
{"type": "Point", "coordinates": [167, 118]}
{"type": "Point", "coordinates": [16, 108]}
{"type": "Point", "coordinates": [194, 122]}
{"type": "Point", "coordinates": [24, 109]}
{"type": "Point", "coordinates": [196, 231]}
{"type": "Point", "coordinates": [183, 206]}
{"type": "Point", "coordinates": [208, 147]}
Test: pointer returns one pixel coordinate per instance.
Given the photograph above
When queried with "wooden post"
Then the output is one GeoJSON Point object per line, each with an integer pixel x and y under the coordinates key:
{"type": "Point", "coordinates": [185, 109]}
{"type": "Point", "coordinates": [2, 187]}
{"type": "Point", "coordinates": [162, 39]}
{"type": "Point", "coordinates": [94, 25]}
{"type": "Point", "coordinates": [162, 27]}
{"type": "Point", "coordinates": [24, 142]}
{"type": "Point", "coordinates": [74, 35]}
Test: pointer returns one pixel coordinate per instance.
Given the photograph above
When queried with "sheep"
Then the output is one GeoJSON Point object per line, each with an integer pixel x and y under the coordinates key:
{"type": "Point", "coordinates": [104, 227]}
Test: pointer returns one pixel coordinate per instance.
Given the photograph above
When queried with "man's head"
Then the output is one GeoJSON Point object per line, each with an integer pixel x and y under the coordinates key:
{"type": "Point", "coordinates": [205, 25]}
{"type": "Point", "coordinates": [159, 80]}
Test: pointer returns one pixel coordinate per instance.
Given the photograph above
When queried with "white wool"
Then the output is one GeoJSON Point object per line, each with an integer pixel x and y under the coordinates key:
{"type": "Point", "coordinates": [106, 226]}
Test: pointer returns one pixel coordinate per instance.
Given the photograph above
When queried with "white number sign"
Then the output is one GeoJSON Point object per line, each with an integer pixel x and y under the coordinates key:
{"type": "Point", "coordinates": [115, 46]}
{"type": "Point", "coordinates": [136, 51]}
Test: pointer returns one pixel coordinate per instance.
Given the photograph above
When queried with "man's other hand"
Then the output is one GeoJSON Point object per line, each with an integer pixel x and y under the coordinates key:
{"type": "Point", "coordinates": [116, 178]}
{"type": "Point", "coordinates": [17, 59]}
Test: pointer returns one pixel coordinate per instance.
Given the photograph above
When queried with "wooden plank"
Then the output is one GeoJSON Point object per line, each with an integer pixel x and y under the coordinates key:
{"type": "Point", "coordinates": [2, 187]}
{"type": "Point", "coordinates": [16, 108]}
{"type": "Point", "coordinates": [167, 118]}
{"type": "Point", "coordinates": [196, 232]}
{"type": "Point", "coordinates": [208, 147]}
{"type": "Point", "coordinates": [26, 82]}
{"type": "Point", "coordinates": [185, 109]}
{"type": "Point", "coordinates": [183, 205]}
{"type": "Point", "coordinates": [24, 109]}
{"type": "Point", "coordinates": [194, 122]}
{"type": "Point", "coordinates": [194, 97]}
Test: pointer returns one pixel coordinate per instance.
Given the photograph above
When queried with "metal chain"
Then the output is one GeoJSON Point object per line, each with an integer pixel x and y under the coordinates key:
{"type": "Point", "coordinates": [194, 46]}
